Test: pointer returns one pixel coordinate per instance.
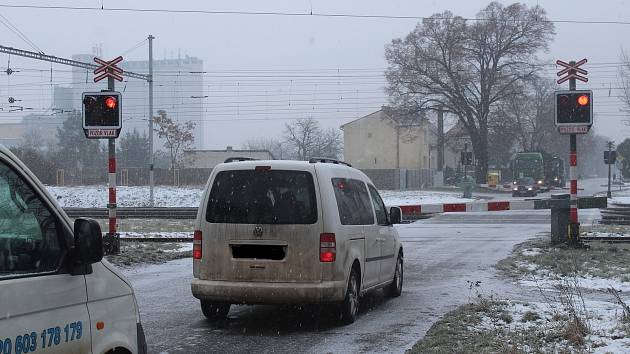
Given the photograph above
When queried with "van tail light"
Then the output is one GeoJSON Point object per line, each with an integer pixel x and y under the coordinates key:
{"type": "Point", "coordinates": [327, 248]}
{"type": "Point", "coordinates": [197, 245]}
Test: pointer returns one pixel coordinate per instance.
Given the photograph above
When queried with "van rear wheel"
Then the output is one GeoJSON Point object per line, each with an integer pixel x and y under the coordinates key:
{"type": "Point", "coordinates": [214, 310]}
{"type": "Point", "coordinates": [350, 305]}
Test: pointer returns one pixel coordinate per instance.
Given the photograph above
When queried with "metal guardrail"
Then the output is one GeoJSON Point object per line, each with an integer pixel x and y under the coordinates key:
{"type": "Point", "coordinates": [134, 213]}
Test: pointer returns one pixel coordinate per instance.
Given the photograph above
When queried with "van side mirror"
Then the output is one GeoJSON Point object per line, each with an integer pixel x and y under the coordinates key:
{"type": "Point", "coordinates": [395, 215]}
{"type": "Point", "coordinates": [88, 242]}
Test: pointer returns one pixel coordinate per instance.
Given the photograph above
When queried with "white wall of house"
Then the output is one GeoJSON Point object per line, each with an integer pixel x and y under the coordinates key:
{"type": "Point", "coordinates": [375, 142]}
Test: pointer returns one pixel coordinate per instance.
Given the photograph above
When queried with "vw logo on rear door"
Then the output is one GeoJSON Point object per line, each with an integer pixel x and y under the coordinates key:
{"type": "Point", "coordinates": [258, 231]}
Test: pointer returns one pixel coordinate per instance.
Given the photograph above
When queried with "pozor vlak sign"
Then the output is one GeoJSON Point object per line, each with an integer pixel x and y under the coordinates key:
{"type": "Point", "coordinates": [101, 114]}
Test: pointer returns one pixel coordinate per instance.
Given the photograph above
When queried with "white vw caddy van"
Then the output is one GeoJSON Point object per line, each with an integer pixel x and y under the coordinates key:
{"type": "Point", "coordinates": [278, 232]}
{"type": "Point", "coordinates": [57, 295]}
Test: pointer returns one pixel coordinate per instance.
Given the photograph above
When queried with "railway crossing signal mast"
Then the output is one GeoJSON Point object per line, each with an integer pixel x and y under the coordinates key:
{"type": "Point", "coordinates": [573, 115]}
{"type": "Point", "coordinates": [102, 118]}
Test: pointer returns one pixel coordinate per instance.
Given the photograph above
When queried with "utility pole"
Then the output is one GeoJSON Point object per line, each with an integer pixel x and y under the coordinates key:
{"type": "Point", "coordinates": [440, 147]}
{"type": "Point", "coordinates": [610, 145]}
{"type": "Point", "coordinates": [151, 157]}
{"type": "Point", "coordinates": [465, 160]}
{"type": "Point", "coordinates": [574, 225]}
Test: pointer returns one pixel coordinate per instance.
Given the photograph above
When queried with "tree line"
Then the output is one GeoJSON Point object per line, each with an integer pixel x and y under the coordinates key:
{"type": "Point", "coordinates": [74, 152]}
{"type": "Point", "coordinates": [302, 139]}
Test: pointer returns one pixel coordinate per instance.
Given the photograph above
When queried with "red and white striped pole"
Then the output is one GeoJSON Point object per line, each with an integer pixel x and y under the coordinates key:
{"type": "Point", "coordinates": [574, 225]}
{"type": "Point", "coordinates": [573, 213]}
{"type": "Point", "coordinates": [111, 205]}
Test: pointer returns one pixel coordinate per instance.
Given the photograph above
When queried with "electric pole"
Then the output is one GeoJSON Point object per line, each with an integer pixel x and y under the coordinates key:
{"type": "Point", "coordinates": [440, 147]}
{"type": "Point", "coordinates": [151, 161]}
{"type": "Point", "coordinates": [610, 145]}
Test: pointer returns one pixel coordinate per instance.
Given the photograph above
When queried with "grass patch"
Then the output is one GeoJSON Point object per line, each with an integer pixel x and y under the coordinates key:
{"type": "Point", "coordinates": [530, 316]}
{"type": "Point", "coordinates": [482, 328]}
{"type": "Point", "coordinates": [132, 253]}
{"type": "Point", "coordinates": [539, 258]}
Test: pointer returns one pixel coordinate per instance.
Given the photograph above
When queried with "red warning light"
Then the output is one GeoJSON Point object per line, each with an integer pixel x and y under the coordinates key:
{"type": "Point", "coordinates": [582, 100]}
{"type": "Point", "coordinates": [110, 102]}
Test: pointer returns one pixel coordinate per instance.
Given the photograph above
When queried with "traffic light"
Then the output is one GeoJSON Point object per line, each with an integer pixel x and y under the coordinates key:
{"type": "Point", "coordinates": [102, 110]}
{"type": "Point", "coordinates": [610, 157]}
{"type": "Point", "coordinates": [467, 158]}
{"type": "Point", "coordinates": [574, 108]}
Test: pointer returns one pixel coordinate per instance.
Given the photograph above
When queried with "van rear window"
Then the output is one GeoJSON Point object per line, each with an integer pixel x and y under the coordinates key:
{"type": "Point", "coordinates": [262, 197]}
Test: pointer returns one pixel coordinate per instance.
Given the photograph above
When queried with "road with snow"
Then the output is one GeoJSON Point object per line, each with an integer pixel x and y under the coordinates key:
{"type": "Point", "coordinates": [441, 256]}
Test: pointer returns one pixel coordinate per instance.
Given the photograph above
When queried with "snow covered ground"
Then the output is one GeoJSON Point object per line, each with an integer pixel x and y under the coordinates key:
{"type": "Point", "coordinates": [156, 234]}
{"type": "Point", "coordinates": [607, 332]}
{"type": "Point", "coordinates": [138, 196]}
{"type": "Point", "coordinates": [605, 234]}
{"type": "Point", "coordinates": [395, 198]}
{"type": "Point", "coordinates": [135, 196]}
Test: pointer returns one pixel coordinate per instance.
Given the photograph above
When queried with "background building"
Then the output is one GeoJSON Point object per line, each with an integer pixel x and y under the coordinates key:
{"type": "Point", "coordinates": [394, 155]}
{"type": "Point", "coordinates": [178, 90]}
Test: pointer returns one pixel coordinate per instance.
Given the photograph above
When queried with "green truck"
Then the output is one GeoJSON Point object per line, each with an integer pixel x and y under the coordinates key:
{"type": "Point", "coordinates": [529, 164]}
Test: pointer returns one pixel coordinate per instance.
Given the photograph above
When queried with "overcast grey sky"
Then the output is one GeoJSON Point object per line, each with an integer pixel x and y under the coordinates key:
{"type": "Point", "coordinates": [272, 68]}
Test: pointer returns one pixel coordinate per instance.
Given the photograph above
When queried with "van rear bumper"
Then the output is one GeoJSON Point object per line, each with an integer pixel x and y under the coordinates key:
{"type": "Point", "coordinates": [268, 293]}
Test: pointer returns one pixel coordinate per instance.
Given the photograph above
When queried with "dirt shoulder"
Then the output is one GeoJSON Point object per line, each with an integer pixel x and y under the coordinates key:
{"type": "Point", "coordinates": [133, 253]}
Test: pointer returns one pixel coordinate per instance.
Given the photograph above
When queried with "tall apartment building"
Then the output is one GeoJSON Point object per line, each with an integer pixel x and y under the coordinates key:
{"type": "Point", "coordinates": [178, 90]}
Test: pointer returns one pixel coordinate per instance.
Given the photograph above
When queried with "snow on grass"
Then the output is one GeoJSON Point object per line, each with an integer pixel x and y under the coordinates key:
{"type": "Point", "coordinates": [165, 196]}
{"type": "Point", "coordinates": [550, 281]}
{"type": "Point", "coordinates": [156, 234]}
{"type": "Point", "coordinates": [132, 196]}
{"type": "Point", "coordinates": [395, 198]}
{"type": "Point", "coordinates": [605, 234]}
{"type": "Point", "coordinates": [530, 252]}
{"type": "Point", "coordinates": [607, 333]}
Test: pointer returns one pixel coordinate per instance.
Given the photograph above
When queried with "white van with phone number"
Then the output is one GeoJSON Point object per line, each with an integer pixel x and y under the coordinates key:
{"type": "Point", "coordinates": [57, 294]}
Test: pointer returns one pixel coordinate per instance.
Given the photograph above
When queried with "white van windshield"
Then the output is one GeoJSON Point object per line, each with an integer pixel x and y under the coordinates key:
{"type": "Point", "coordinates": [262, 197]}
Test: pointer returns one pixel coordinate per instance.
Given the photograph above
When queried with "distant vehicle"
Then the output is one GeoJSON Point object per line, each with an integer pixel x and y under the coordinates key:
{"type": "Point", "coordinates": [57, 294]}
{"type": "Point", "coordinates": [529, 164]}
{"type": "Point", "coordinates": [525, 187]}
{"type": "Point", "coordinates": [278, 232]}
{"type": "Point", "coordinates": [554, 171]}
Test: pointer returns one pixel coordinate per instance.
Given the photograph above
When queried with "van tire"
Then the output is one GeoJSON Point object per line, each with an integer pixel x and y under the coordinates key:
{"type": "Point", "coordinates": [395, 288]}
{"type": "Point", "coordinates": [350, 304]}
{"type": "Point", "coordinates": [214, 310]}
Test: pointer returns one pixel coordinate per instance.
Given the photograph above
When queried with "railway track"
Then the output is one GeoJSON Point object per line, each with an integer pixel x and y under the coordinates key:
{"type": "Point", "coordinates": [616, 214]}
{"type": "Point", "coordinates": [611, 239]}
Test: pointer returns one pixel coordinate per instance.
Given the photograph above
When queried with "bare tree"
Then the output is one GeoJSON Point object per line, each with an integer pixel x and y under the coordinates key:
{"type": "Point", "coordinates": [275, 146]}
{"type": "Point", "coordinates": [624, 80]}
{"type": "Point", "coordinates": [177, 136]}
{"type": "Point", "coordinates": [528, 115]}
{"type": "Point", "coordinates": [307, 139]}
{"type": "Point", "coordinates": [467, 68]}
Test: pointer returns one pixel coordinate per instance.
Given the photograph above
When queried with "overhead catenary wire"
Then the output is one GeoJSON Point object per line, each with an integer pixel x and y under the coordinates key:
{"type": "Point", "coordinates": [5, 21]}
{"type": "Point", "coordinates": [308, 13]}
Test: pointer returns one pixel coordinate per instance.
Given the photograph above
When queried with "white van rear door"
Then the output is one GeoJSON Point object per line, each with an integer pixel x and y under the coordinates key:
{"type": "Point", "coordinates": [42, 307]}
{"type": "Point", "coordinates": [262, 225]}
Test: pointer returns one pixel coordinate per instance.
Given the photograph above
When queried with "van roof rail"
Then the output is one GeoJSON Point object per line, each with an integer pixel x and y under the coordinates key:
{"type": "Point", "coordinates": [237, 159]}
{"type": "Point", "coordinates": [328, 160]}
